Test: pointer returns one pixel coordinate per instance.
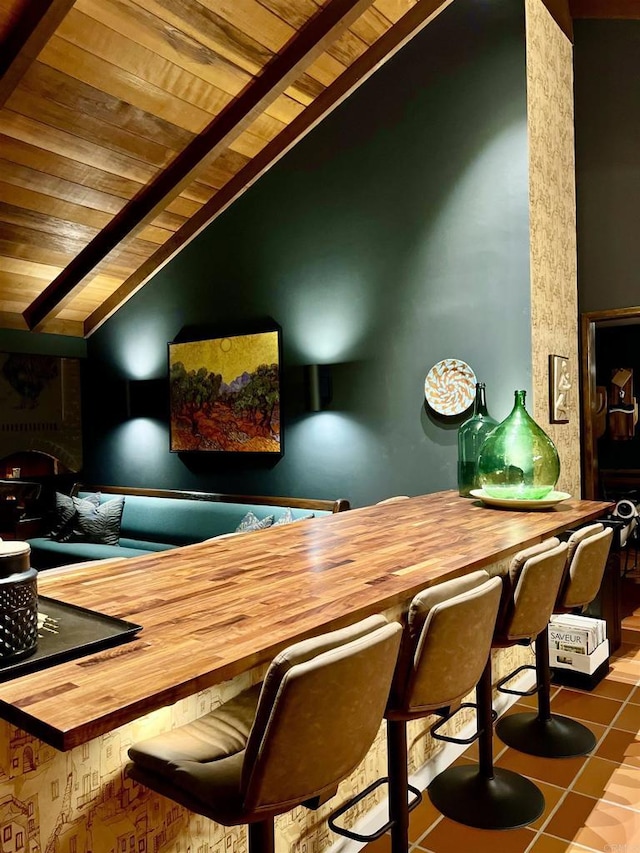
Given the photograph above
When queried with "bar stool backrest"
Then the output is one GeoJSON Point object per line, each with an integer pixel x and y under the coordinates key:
{"type": "Point", "coordinates": [588, 550]}
{"type": "Point", "coordinates": [320, 708]}
{"type": "Point", "coordinates": [531, 589]}
{"type": "Point", "coordinates": [445, 644]}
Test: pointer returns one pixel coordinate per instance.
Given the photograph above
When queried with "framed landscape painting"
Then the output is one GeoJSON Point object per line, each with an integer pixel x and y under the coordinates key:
{"type": "Point", "coordinates": [225, 394]}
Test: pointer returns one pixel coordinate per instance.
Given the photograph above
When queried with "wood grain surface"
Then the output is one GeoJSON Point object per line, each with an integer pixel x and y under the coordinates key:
{"type": "Point", "coordinates": [99, 99]}
{"type": "Point", "coordinates": [215, 609]}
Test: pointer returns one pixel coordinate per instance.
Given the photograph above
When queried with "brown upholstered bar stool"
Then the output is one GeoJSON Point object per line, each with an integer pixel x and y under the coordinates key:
{"type": "Point", "coordinates": [285, 743]}
{"type": "Point", "coordinates": [485, 796]}
{"type": "Point", "coordinates": [445, 645]}
{"type": "Point", "coordinates": [543, 733]}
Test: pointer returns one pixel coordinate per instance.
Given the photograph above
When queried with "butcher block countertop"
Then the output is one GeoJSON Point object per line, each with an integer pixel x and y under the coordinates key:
{"type": "Point", "coordinates": [216, 609]}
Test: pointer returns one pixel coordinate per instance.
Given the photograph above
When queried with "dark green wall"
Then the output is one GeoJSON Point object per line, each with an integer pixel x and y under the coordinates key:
{"type": "Point", "coordinates": [393, 236]}
{"type": "Point", "coordinates": [607, 91]}
{"type": "Point", "coordinates": [15, 340]}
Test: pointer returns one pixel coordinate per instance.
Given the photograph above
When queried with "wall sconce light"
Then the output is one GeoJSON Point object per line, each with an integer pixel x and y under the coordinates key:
{"type": "Point", "coordinates": [318, 386]}
{"type": "Point", "coordinates": [147, 398]}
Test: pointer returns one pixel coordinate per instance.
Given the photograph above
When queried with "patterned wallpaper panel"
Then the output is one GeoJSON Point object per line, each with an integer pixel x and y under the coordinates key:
{"type": "Point", "coordinates": [554, 296]}
{"type": "Point", "coordinates": [80, 801]}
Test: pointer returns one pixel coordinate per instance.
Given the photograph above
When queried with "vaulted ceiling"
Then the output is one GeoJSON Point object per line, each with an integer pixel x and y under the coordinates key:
{"type": "Point", "coordinates": [126, 126]}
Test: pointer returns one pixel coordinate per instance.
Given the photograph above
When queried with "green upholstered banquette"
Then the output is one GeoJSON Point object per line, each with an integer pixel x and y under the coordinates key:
{"type": "Point", "coordinates": [157, 520]}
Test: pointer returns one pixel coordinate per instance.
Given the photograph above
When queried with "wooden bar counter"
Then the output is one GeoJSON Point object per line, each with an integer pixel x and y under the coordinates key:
{"type": "Point", "coordinates": [217, 609]}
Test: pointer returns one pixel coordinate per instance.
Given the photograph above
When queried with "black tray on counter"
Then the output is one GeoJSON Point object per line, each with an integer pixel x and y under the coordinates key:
{"type": "Point", "coordinates": [81, 632]}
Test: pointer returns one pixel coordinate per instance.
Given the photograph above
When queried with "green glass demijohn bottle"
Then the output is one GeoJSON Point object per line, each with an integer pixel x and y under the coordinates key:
{"type": "Point", "coordinates": [471, 436]}
{"type": "Point", "coordinates": [518, 460]}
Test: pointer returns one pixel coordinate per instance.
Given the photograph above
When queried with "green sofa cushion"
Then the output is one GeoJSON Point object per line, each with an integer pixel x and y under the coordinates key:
{"type": "Point", "coordinates": [47, 552]}
{"type": "Point", "coordinates": [182, 522]}
{"type": "Point", "coordinates": [153, 524]}
{"type": "Point", "coordinates": [145, 545]}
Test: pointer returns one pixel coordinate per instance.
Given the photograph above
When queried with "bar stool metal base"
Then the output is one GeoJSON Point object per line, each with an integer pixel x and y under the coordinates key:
{"type": "Point", "coordinates": [543, 733]}
{"type": "Point", "coordinates": [484, 796]}
{"type": "Point", "coordinates": [556, 737]}
{"type": "Point", "coordinates": [506, 801]}
{"type": "Point", "coordinates": [378, 833]}
{"type": "Point", "coordinates": [260, 836]}
{"type": "Point", "coordinates": [399, 788]}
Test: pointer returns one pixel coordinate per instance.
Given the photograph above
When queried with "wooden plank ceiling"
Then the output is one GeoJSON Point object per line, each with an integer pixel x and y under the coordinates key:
{"type": "Point", "coordinates": [126, 126]}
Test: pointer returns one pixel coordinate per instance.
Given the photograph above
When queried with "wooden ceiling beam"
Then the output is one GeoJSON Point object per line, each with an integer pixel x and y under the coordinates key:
{"type": "Point", "coordinates": [69, 328]}
{"type": "Point", "coordinates": [34, 28]}
{"type": "Point", "coordinates": [12, 320]}
{"type": "Point", "coordinates": [618, 9]}
{"type": "Point", "coordinates": [280, 72]}
{"type": "Point", "coordinates": [383, 49]}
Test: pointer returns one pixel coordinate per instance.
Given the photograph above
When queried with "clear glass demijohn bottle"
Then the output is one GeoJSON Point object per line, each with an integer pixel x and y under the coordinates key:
{"type": "Point", "coordinates": [518, 460]}
{"type": "Point", "coordinates": [471, 436]}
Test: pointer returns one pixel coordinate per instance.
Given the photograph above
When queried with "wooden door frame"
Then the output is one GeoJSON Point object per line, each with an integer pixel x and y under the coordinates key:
{"type": "Point", "coordinates": [588, 324]}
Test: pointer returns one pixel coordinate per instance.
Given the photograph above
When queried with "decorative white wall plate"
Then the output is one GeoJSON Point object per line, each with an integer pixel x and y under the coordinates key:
{"type": "Point", "coordinates": [450, 387]}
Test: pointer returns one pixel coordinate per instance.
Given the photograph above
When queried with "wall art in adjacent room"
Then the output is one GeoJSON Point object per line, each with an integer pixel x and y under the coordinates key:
{"type": "Point", "coordinates": [40, 411]}
{"type": "Point", "coordinates": [225, 394]}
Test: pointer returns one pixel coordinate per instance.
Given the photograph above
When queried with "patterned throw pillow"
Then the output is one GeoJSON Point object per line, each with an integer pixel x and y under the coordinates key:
{"type": "Point", "coordinates": [252, 522]}
{"type": "Point", "coordinates": [64, 524]}
{"type": "Point", "coordinates": [100, 524]}
{"type": "Point", "coordinates": [287, 517]}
